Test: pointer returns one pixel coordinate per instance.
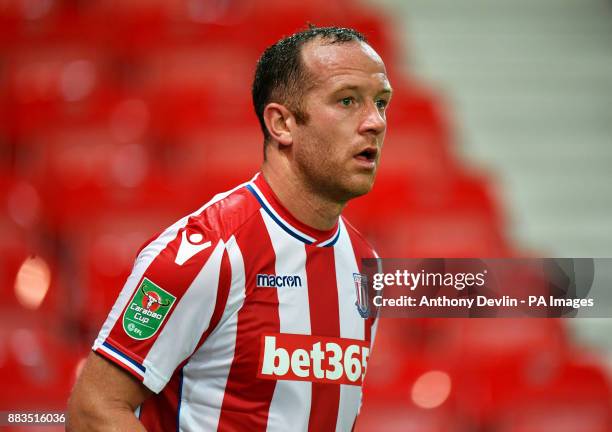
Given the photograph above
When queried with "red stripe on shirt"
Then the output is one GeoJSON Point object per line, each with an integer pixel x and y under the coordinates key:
{"type": "Point", "coordinates": [247, 399]}
{"type": "Point", "coordinates": [223, 289]}
{"type": "Point", "coordinates": [324, 321]}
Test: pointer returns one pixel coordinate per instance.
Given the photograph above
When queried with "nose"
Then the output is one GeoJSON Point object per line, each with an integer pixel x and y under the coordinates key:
{"type": "Point", "coordinates": [374, 121]}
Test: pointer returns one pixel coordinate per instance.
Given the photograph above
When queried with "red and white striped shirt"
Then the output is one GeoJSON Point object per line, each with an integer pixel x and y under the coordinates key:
{"type": "Point", "coordinates": [241, 318]}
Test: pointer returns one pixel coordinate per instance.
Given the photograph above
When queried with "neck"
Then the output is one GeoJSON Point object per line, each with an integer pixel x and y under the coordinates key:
{"type": "Point", "coordinates": [304, 203]}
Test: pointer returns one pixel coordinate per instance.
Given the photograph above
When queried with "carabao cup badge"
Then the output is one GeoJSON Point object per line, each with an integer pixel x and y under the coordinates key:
{"type": "Point", "coordinates": [147, 310]}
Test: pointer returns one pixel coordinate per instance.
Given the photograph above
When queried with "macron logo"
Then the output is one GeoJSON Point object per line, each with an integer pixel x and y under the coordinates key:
{"type": "Point", "coordinates": [190, 246]}
{"type": "Point", "coordinates": [274, 281]}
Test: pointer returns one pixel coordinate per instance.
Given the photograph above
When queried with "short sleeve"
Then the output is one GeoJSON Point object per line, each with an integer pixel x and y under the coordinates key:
{"type": "Point", "coordinates": [168, 305]}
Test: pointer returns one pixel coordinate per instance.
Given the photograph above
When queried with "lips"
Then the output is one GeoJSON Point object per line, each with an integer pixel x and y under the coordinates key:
{"type": "Point", "coordinates": [367, 154]}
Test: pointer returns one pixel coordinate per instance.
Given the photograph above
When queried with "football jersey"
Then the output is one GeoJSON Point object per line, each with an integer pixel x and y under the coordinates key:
{"type": "Point", "coordinates": [241, 318]}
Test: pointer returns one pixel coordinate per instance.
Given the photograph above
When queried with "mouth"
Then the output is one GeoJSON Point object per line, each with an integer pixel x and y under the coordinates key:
{"type": "Point", "coordinates": [367, 156]}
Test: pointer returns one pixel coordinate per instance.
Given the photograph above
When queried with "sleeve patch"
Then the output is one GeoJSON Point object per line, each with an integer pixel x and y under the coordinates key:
{"type": "Point", "coordinates": [147, 310]}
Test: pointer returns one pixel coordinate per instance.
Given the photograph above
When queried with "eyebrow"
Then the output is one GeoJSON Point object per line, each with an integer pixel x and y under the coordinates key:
{"type": "Point", "coordinates": [386, 90]}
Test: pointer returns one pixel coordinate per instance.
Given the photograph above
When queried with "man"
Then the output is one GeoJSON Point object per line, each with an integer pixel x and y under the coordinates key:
{"type": "Point", "coordinates": [244, 316]}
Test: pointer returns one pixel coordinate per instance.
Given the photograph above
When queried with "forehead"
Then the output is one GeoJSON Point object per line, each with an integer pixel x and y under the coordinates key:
{"type": "Point", "coordinates": [329, 64]}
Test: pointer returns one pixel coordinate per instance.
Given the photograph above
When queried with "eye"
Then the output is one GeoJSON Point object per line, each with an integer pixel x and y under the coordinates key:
{"type": "Point", "coordinates": [347, 101]}
{"type": "Point", "coordinates": [382, 104]}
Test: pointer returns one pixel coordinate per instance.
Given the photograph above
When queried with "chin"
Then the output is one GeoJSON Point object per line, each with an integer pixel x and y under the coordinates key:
{"type": "Point", "coordinates": [360, 186]}
{"type": "Point", "coordinates": [344, 188]}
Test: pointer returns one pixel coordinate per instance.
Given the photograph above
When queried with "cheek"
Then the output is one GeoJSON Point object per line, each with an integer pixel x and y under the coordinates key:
{"type": "Point", "coordinates": [336, 127]}
{"type": "Point", "coordinates": [327, 137]}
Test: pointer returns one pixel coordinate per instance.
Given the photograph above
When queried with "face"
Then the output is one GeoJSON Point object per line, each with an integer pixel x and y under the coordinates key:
{"type": "Point", "coordinates": [337, 150]}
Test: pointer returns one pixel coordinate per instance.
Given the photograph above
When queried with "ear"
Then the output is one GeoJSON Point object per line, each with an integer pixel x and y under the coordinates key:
{"type": "Point", "coordinates": [278, 120]}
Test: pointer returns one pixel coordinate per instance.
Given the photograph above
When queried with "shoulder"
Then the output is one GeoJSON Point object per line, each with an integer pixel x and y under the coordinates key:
{"type": "Point", "coordinates": [360, 244]}
{"type": "Point", "coordinates": [203, 230]}
{"type": "Point", "coordinates": [225, 214]}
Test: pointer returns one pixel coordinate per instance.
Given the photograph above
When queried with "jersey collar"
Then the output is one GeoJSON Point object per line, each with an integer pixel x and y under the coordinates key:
{"type": "Point", "coordinates": [279, 214]}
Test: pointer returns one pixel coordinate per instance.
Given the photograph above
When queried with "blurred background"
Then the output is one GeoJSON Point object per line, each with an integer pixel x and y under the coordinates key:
{"type": "Point", "coordinates": [119, 117]}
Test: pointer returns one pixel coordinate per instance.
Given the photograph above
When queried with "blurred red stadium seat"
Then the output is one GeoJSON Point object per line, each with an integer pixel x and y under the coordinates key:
{"type": "Point", "coordinates": [37, 368]}
{"type": "Point", "coordinates": [106, 247]}
{"type": "Point", "coordinates": [452, 216]}
{"type": "Point", "coordinates": [13, 252]}
{"type": "Point", "coordinates": [50, 84]}
{"type": "Point", "coordinates": [574, 398]}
